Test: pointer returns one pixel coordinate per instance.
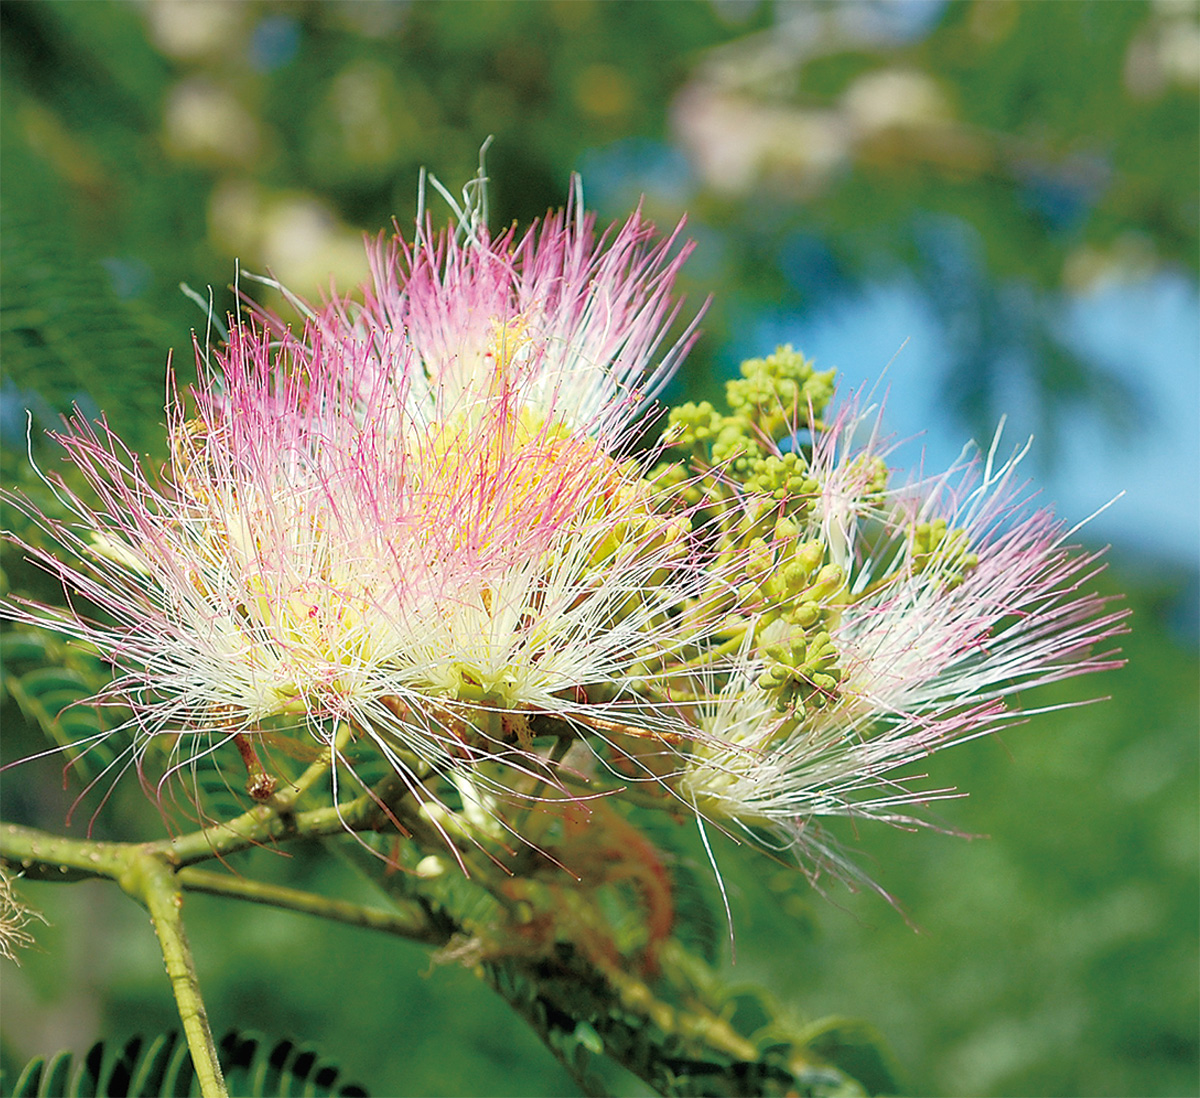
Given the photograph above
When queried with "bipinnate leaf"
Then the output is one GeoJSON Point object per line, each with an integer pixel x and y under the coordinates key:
{"type": "Point", "coordinates": [161, 1067]}
{"type": "Point", "coordinates": [52, 681]}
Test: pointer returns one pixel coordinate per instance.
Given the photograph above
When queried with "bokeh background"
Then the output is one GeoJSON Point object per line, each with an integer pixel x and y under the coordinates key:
{"type": "Point", "coordinates": [992, 205]}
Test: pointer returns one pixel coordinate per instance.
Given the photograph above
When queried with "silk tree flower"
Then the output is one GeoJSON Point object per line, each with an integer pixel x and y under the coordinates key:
{"type": "Point", "coordinates": [228, 585]}
{"type": "Point", "coordinates": [568, 323]}
{"type": "Point", "coordinates": [944, 599]}
{"type": "Point", "coordinates": [432, 588]}
{"type": "Point", "coordinates": [415, 530]}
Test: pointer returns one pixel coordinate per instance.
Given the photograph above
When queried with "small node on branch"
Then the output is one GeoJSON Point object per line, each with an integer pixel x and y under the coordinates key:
{"type": "Point", "coordinates": [259, 784]}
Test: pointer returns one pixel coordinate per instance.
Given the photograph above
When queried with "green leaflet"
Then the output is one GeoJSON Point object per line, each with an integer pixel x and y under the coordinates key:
{"type": "Point", "coordinates": [161, 1066]}
{"type": "Point", "coordinates": [50, 681]}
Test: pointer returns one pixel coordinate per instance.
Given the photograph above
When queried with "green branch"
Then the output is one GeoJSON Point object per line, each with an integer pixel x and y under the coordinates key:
{"type": "Point", "coordinates": [41, 856]}
{"type": "Point", "coordinates": [153, 883]}
{"type": "Point", "coordinates": [267, 823]}
{"type": "Point", "coordinates": [410, 922]}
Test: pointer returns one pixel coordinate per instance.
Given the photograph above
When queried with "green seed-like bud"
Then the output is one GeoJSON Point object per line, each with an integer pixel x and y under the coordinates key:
{"type": "Point", "coordinates": [936, 547]}
{"type": "Point", "coordinates": [804, 614]}
{"type": "Point", "coordinates": [735, 448]}
{"type": "Point", "coordinates": [778, 391]}
{"type": "Point", "coordinates": [878, 482]}
{"type": "Point", "coordinates": [759, 560]}
{"type": "Point", "coordinates": [809, 555]}
{"type": "Point", "coordinates": [828, 580]}
{"type": "Point", "coordinates": [773, 677]}
{"type": "Point", "coordinates": [793, 578]}
{"type": "Point", "coordinates": [691, 423]}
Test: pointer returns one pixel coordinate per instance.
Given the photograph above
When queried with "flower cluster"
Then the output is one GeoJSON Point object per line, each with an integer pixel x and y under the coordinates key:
{"type": "Point", "coordinates": [419, 531]}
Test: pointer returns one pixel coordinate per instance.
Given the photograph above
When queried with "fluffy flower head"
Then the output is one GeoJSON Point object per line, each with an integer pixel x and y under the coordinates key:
{"type": "Point", "coordinates": [416, 533]}
{"type": "Point", "coordinates": [564, 324]}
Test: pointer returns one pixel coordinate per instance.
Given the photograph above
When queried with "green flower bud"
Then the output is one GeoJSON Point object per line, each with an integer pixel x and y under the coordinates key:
{"type": "Point", "coordinates": [804, 614]}
{"type": "Point", "coordinates": [793, 577]}
{"type": "Point", "coordinates": [786, 529]}
{"type": "Point", "coordinates": [735, 448]}
{"type": "Point", "coordinates": [876, 476]}
{"type": "Point", "coordinates": [759, 560]}
{"type": "Point", "coordinates": [777, 391]}
{"type": "Point", "coordinates": [692, 423]}
{"type": "Point", "coordinates": [809, 555]}
{"type": "Point", "coordinates": [828, 581]}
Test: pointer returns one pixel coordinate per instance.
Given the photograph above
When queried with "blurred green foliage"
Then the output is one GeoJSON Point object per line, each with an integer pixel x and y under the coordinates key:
{"type": "Point", "coordinates": [148, 145]}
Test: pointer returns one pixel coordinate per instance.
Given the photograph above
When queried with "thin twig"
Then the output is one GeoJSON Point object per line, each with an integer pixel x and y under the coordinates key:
{"type": "Point", "coordinates": [411, 923]}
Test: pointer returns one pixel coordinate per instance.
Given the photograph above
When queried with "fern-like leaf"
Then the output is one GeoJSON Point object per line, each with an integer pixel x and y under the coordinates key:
{"type": "Point", "coordinates": [162, 1068]}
